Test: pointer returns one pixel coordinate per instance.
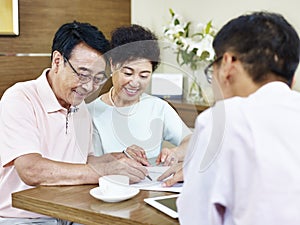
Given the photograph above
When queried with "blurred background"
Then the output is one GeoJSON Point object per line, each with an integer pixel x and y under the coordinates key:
{"type": "Point", "coordinates": [155, 15]}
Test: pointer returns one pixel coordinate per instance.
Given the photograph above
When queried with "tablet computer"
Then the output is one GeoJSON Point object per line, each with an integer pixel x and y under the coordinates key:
{"type": "Point", "coordinates": [166, 204]}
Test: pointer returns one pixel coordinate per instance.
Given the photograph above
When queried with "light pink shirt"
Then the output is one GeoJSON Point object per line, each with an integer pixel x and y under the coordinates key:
{"type": "Point", "coordinates": [32, 121]}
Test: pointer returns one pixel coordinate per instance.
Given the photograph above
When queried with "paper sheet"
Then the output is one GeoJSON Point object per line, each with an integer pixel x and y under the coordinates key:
{"type": "Point", "coordinates": [154, 185]}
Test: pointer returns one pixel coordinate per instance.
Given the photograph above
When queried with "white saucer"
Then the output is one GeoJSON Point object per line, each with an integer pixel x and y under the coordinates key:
{"type": "Point", "coordinates": [130, 192]}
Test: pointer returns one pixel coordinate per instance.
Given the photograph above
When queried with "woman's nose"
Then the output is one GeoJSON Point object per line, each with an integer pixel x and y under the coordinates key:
{"type": "Point", "coordinates": [134, 82]}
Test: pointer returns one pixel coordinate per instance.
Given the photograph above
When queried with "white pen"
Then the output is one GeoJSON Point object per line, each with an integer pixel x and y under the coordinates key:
{"type": "Point", "coordinates": [130, 157]}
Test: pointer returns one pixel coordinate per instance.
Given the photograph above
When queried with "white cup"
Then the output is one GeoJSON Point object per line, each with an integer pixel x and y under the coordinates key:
{"type": "Point", "coordinates": [114, 184]}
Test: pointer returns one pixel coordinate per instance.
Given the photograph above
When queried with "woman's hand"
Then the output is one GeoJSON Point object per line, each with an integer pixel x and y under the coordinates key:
{"type": "Point", "coordinates": [170, 156]}
{"type": "Point", "coordinates": [138, 154]}
{"type": "Point", "coordinates": [167, 156]}
{"type": "Point", "coordinates": [177, 171]}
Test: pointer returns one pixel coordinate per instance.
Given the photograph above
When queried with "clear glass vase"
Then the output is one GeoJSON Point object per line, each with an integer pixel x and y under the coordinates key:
{"type": "Point", "coordinates": [194, 94]}
{"type": "Point", "coordinates": [198, 90]}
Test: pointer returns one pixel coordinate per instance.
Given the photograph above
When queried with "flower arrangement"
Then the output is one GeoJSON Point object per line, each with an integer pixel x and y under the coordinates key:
{"type": "Point", "coordinates": [192, 45]}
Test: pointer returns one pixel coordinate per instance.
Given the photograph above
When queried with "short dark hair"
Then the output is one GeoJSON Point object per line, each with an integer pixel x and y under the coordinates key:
{"type": "Point", "coordinates": [264, 42]}
{"type": "Point", "coordinates": [71, 34]}
{"type": "Point", "coordinates": [133, 42]}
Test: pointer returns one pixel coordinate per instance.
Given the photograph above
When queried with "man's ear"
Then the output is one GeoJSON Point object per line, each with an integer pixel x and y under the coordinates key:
{"type": "Point", "coordinates": [56, 60]}
{"type": "Point", "coordinates": [227, 65]}
{"type": "Point", "coordinates": [293, 81]}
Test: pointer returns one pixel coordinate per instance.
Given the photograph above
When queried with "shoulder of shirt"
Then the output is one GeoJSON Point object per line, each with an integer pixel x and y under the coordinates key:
{"type": "Point", "coordinates": [20, 88]}
{"type": "Point", "coordinates": [153, 99]}
{"type": "Point", "coordinates": [227, 108]}
{"type": "Point", "coordinates": [97, 107]}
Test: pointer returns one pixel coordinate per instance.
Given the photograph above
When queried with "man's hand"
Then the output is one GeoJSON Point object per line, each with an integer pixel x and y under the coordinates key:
{"type": "Point", "coordinates": [118, 165]}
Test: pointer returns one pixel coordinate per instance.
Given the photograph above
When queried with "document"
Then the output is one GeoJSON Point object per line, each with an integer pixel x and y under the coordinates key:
{"type": "Point", "coordinates": [154, 185]}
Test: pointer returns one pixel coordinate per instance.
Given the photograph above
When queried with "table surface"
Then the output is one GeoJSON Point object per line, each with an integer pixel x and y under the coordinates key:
{"type": "Point", "coordinates": [74, 203]}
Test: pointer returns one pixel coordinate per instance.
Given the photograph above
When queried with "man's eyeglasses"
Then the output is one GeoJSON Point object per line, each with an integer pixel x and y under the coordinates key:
{"type": "Point", "coordinates": [83, 78]}
{"type": "Point", "coordinates": [208, 71]}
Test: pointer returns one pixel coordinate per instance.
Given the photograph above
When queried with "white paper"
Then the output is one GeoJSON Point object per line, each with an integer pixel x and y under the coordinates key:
{"type": "Point", "coordinates": [154, 185]}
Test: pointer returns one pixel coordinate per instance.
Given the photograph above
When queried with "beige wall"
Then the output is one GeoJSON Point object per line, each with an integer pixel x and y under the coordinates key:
{"type": "Point", "coordinates": [154, 13]}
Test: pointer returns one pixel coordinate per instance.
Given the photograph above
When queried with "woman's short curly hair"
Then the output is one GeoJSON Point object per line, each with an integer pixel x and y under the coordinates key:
{"type": "Point", "coordinates": [133, 42]}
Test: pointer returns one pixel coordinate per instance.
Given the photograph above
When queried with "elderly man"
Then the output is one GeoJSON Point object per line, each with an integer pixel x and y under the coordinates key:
{"type": "Point", "coordinates": [45, 128]}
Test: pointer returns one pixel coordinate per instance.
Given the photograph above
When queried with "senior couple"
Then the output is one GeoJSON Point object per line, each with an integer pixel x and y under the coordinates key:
{"type": "Point", "coordinates": [238, 144]}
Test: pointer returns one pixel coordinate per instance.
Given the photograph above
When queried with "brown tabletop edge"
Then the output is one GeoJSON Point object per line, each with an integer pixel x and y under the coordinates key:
{"type": "Point", "coordinates": [21, 201]}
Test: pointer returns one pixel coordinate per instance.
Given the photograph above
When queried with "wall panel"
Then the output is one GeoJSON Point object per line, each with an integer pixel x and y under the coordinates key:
{"type": "Point", "coordinates": [16, 68]}
{"type": "Point", "coordinates": [40, 19]}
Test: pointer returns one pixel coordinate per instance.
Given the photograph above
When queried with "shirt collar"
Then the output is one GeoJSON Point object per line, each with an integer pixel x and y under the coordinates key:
{"type": "Point", "coordinates": [46, 94]}
{"type": "Point", "coordinates": [268, 89]}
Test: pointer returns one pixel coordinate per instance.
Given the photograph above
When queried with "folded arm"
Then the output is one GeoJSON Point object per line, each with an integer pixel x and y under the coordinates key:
{"type": "Point", "coordinates": [35, 170]}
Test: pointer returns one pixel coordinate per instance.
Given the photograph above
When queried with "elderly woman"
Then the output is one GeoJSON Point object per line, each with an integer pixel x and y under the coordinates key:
{"type": "Point", "coordinates": [128, 120]}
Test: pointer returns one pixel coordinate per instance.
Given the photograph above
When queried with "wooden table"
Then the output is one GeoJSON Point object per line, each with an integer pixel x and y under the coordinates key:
{"type": "Point", "coordinates": [74, 203]}
{"type": "Point", "coordinates": [187, 111]}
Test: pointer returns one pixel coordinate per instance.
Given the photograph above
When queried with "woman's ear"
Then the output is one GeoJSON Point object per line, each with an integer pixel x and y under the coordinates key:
{"type": "Point", "coordinates": [111, 66]}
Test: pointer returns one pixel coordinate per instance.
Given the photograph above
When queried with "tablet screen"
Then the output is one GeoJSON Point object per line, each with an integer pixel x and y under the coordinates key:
{"type": "Point", "coordinates": [169, 202]}
{"type": "Point", "coordinates": [166, 204]}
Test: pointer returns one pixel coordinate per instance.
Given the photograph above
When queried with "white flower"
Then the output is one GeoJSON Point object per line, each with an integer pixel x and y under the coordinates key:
{"type": "Point", "coordinates": [200, 26]}
{"type": "Point", "coordinates": [191, 44]}
{"type": "Point", "coordinates": [205, 45]}
{"type": "Point", "coordinates": [187, 43]}
{"type": "Point", "coordinates": [173, 30]}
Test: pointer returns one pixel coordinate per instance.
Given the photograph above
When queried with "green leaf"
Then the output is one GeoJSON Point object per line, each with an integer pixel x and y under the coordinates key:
{"type": "Point", "coordinates": [187, 29]}
{"type": "Point", "coordinates": [178, 57]}
{"type": "Point", "coordinates": [171, 12]}
{"type": "Point", "coordinates": [204, 55]}
{"type": "Point", "coordinates": [208, 26]}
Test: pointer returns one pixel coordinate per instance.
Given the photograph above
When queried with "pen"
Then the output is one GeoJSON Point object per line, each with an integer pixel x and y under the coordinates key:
{"type": "Point", "coordinates": [130, 157]}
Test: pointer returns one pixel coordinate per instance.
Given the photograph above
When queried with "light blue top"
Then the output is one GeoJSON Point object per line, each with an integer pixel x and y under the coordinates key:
{"type": "Point", "coordinates": [146, 124]}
